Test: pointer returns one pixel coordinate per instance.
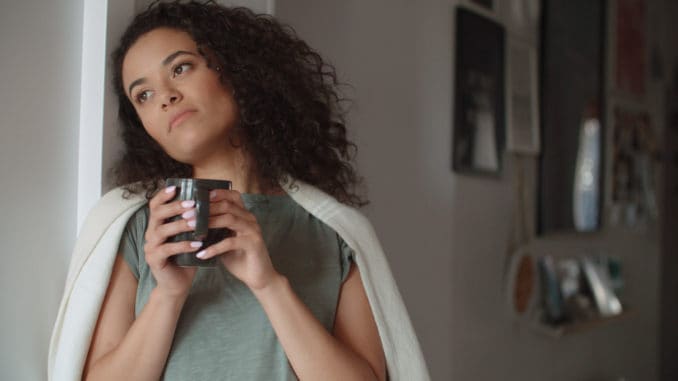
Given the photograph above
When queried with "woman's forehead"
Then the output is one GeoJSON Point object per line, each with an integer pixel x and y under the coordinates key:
{"type": "Point", "coordinates": [152, 48]}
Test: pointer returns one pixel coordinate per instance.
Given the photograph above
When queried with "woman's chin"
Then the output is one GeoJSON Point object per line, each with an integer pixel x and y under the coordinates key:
{"type": "Point", "coordinates": [189, 157]}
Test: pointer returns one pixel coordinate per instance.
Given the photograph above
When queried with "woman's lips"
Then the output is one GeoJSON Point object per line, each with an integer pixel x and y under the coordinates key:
{"type": "Point", "coordinates": [180, 118]}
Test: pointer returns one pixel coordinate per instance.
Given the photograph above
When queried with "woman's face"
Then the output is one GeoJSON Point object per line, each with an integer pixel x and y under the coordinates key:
{"type": "Point", "coordinates": [180, 101]}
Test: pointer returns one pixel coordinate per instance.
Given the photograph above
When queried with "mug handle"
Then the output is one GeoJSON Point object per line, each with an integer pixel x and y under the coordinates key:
{"type": "Point", "coordinates": [202, 211]}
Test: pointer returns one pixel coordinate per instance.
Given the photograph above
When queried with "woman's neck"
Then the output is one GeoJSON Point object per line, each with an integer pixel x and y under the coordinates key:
{"type": "Point", "coordinates": [235, 166]}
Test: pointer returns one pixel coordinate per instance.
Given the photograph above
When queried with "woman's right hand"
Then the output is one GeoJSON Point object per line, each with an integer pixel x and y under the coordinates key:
{"type": "Point", "coordinates": [172, 280]}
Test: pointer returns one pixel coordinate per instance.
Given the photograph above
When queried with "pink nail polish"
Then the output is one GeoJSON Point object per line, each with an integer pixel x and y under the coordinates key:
{"type": "Point", "coordinates": [187, 203]}
{"type": "Point", "coordinates": [201, 254]}
{"type": "Point", "coordinates": [188, 214]}
{"type": "Point", "coordinates": [196, 244]}
{"type": "Point", "coordinates": [170, 189]}
{"type": "Point", "coordinates": [191, 223]}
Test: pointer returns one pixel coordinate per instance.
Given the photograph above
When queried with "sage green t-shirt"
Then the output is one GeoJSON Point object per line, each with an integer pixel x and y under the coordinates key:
{"type": "Point", "coordinates": [223, 333]}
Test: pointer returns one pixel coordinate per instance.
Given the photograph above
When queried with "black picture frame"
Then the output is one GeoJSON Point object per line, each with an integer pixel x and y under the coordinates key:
{"type": "Point", "coordinates": [489, 4]}
{"type": "Point", "coordinates": [572, 83]}
{"type": "Point", "coordinates": [479, 120]}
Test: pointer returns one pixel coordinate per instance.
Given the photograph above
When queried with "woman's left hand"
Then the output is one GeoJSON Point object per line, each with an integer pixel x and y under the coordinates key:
{"type": "Point", "coordinates": [244, 253]}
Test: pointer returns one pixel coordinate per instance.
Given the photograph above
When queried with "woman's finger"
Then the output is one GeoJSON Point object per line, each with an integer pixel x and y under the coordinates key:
{"type": "Point", "coordinates": [227, 206]}
{"type": "Point", "coordinates": [224, 246]}
{"type": "Point", "coordinates": [162, 232]}
{"type": "Point", "coordinates": [171, 209]}
{"type": "Point", "coordinates": [161, 209]}
{"type": "Point", "coordinates": [161, 253]}
{"type": "Point", "coordinates": [226, 194]}
{"type": "Point", "coordinates": [234, 223]}
{"type": "Point", "coordinates": [162, 196]}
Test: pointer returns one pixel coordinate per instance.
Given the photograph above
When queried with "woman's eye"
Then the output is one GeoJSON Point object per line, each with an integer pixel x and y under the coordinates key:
{"type": "Point", "coordinates": [143, 96]}
{"type": "Point", "coordinates": [180, 69]}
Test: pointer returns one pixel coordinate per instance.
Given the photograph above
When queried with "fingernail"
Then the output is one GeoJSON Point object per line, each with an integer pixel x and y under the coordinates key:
{"type": "Point", "coordinates": [213, 194]}
{"type": "Point", "coordinates": [188, 203]}
{"type": "Point", "coordinates": [191, 223]}
{"type": "Point", "coordinates": [170, 189]}
{"type": "Point", "coordinates": [188, 214]}
{"type": "Point", "coordinates": [196, 244]}
{"type": "Point", "coordinates": [201, 254]}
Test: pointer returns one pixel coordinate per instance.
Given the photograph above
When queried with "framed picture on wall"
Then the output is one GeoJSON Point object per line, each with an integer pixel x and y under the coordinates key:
{"type": "Point", "coordinates": [489, 4]}
{"type": "Point", "coordinates": [630, 50]}
{"type": "Point", "coordinates": [478, 131]}
{"type": "Point", "coordinates": [572, 116]}
{"type": "Point", "coordinates": [634, 163]}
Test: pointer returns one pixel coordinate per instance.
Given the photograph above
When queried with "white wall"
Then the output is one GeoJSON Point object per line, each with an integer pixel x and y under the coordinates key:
{"type": "Point", "coordinates": [446, 235]}
{"type": "Point", "coordinates": [261, 6]}
{"type": "Point", "coordinates": [40, 44]}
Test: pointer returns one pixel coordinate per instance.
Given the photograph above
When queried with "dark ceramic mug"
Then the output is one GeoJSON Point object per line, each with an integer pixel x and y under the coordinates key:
{"type": "Point", "coordinates": [199, 191]}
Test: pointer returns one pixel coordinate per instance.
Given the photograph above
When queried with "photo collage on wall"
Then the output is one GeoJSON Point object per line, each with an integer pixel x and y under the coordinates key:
{"type": "Point", "coordinates": [635, 161]}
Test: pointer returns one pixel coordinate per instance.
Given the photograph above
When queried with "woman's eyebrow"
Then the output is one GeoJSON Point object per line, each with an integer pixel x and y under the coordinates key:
{"type": "Point", "coordinates": [174, 55]}
{"type": "Point", "coordinates": [165, 62]}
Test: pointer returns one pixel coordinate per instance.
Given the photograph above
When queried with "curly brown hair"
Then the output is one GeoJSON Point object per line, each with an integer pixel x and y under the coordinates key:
{"type": "Point", "coordinates": [290, 114]}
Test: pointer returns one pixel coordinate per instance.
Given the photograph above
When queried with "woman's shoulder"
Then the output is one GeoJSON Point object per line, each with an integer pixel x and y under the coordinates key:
{"type": "Point", "coordinates": [114, 203]}
{"type": "Point", "coordinates": [120, 196]}
{"type": "Point", "coordinates": [348, 221]}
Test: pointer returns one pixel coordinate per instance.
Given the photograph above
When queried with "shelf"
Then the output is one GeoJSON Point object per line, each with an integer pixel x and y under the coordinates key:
{"type": "Point", "coordinates": [576, 327]}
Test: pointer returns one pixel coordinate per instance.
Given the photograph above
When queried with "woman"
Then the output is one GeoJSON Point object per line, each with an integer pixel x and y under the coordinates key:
{"type": "Point", "coordinates": [213, 92]}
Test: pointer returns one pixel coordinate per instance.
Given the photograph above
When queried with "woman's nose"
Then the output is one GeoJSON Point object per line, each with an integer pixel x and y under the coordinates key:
{"type": "Point", "coordinates": [171, 97]}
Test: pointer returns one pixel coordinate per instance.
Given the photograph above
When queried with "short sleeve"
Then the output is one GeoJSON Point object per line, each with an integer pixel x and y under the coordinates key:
{"type": "Point", "coordinates": [346, 258]}
{"type": "Point", "coordinates": [132, 241]}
